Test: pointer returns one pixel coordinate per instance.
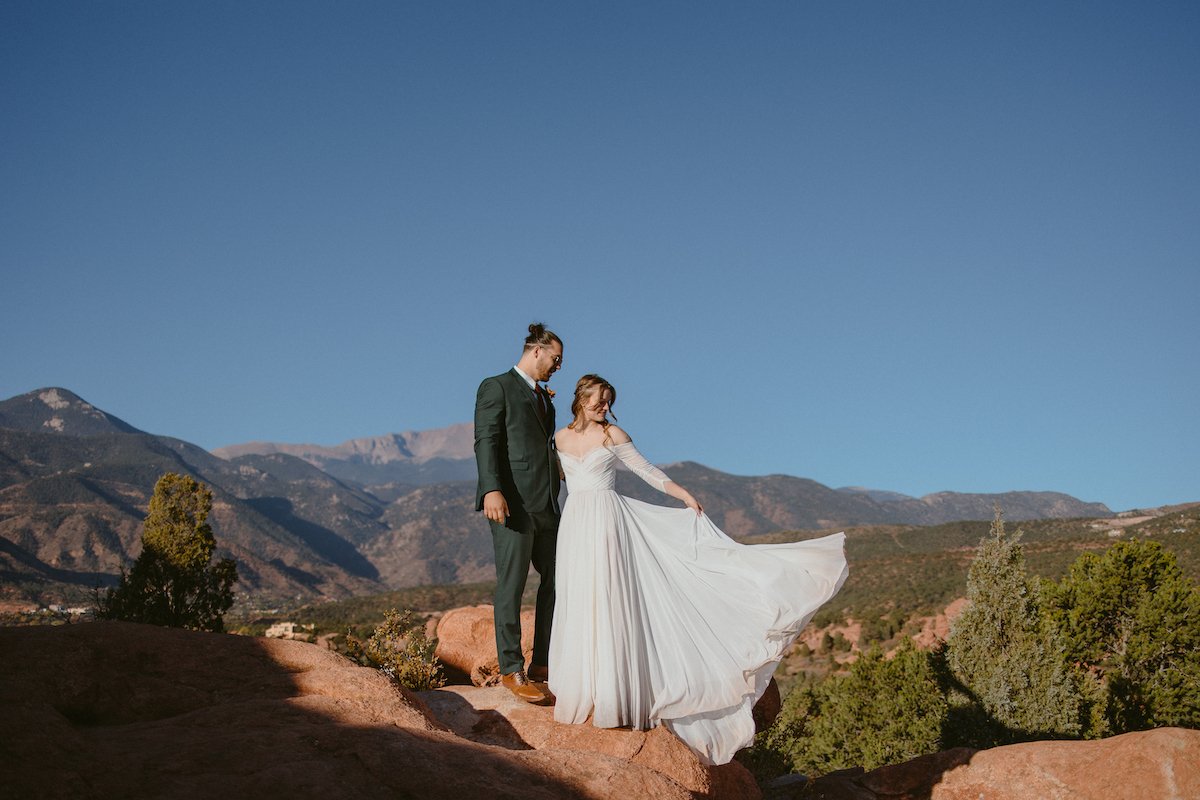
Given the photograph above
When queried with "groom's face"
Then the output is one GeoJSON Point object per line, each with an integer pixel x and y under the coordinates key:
{"type": "Point", "coordinates": [548, 360]}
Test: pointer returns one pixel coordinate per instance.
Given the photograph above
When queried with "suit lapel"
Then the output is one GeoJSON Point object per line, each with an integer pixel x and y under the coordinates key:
{"type": "Point", "coordinates": [523, 387]}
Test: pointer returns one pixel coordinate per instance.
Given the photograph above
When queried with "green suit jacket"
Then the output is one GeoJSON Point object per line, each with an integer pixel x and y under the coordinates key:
{"type": "Point", "coordinates": [514, 449]}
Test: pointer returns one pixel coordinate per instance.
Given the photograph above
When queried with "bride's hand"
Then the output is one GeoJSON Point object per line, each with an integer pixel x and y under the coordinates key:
{"type": "Point", "coordinates": [683, 495]}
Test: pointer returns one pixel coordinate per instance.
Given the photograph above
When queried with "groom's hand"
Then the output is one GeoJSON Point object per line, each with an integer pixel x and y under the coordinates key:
{"type": "Point", "coordinates": [495, 507]}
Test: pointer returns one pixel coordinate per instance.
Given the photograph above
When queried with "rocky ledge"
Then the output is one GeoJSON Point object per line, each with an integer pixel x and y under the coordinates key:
{"type": "Point", "coordinates": [111, 709]}
{"type": "Point", "coordinates": [1162, 764]}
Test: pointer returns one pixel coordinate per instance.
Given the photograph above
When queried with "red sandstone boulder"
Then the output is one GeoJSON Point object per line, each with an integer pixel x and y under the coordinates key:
{"type": "Point", "coordinates": [1162, 764]}
{"type": "Point", "coordinates": [467, 642]}
{"type": "Point", "coordinates": [494, 716]}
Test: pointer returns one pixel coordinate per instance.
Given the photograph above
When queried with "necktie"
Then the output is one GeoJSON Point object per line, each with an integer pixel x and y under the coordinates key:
{"type": "Point", "coordinates": [539, 402]}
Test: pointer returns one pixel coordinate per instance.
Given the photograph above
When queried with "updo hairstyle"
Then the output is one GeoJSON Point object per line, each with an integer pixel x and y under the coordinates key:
{"type": "Point", "coordinates": [540, 337]}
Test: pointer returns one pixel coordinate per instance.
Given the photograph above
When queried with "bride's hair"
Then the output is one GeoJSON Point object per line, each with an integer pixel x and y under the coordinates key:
{"type": "Point", "coordinates": [539, 336]}
{"type": "Point", "coordinates": [587, 386]}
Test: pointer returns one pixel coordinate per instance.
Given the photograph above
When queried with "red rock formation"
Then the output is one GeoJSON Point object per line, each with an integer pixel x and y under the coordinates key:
{"type": "Point", "coordinates": [936, 629]}
{"type": "Point", "coordinates": [494, 716]}
{"type": "Point", "coordinates": [1162, 764]}
{"type": "Point", "coordinates": [111, 709]}
{"type": "Point", "coordinates": [467, 642]}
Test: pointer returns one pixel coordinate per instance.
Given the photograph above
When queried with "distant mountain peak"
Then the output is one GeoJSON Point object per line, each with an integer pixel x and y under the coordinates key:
{"type": "Point", "coordinates": [878, 495]}
{"type": "Point", "coordinates": [451, 442]}
{"type": "Point", "coordinates": [54, 409]}
{"type": "Point", "coordinates": [419, 457]}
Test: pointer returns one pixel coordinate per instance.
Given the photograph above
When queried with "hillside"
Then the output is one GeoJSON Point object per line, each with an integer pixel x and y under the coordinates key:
{"type": "Point", "coordinates": [751, 506]}
{"type": "Point", "coordinates": [918, 570]}
{"type": "Point", "coordinates": [743, 505]}
{"type": "Point", "coordinates": [71, 510]}
{"type": "Point", "coordinates": [899, 574]}
{"type": "Point", "coordinates": [75, 483]}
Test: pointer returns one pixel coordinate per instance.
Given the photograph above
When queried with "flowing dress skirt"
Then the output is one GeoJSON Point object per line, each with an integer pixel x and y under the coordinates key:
{"type": "Point", "coordinates": [662, 618]}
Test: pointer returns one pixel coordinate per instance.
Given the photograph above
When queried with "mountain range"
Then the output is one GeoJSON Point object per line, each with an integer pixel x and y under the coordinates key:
{"type": "Point", "coordinates": [413, 457]}
{"type": "Point", "coordinates": [306, 521]}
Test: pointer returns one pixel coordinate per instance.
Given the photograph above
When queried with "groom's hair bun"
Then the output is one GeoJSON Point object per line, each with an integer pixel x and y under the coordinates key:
{"type": "Point", "coordinates": [539, 336]}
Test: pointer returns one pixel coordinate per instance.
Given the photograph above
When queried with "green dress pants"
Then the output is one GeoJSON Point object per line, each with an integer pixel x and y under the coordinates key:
{"type": "Point", "coordinates": [515, 551]}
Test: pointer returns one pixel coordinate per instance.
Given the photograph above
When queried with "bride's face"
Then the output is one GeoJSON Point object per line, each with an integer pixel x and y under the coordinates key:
{"type": "Point", "coordinates": [596, 408]}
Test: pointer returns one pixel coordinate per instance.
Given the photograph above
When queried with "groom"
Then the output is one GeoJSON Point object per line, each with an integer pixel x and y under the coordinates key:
{"type": "Point", "coordinates": [518, 493]}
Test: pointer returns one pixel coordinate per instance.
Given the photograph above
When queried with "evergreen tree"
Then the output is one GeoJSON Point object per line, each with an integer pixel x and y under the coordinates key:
{"type": "Point", "coordinates": [1131, 620]}
{"type": "Point", "coordinates": [1006, 653]}
{"type": "Point", "coordinates": [171, 582]}
{"type": "Point", "coordinates": [1094, 604]}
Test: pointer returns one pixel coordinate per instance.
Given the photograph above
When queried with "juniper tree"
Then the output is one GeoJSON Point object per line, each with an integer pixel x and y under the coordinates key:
{"type": "Point", "coordinates": [884, 711]}
{"type": "Point", "coordinates": [171, 582]}
{"type": "Point", "coordinates": [1131, 623]}
{"type": "Point", "coordinates": [1006, 652]}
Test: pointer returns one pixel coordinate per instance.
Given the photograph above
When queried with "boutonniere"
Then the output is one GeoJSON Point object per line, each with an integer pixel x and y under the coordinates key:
{"type": "Point", "coordinates": [549, 392]}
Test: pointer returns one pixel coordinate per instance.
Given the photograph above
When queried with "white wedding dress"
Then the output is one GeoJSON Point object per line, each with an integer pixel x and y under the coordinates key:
{"type": "Point", "coordinates": [662, 618]}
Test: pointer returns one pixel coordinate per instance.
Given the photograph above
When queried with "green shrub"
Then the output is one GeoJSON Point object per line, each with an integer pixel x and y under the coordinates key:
{"type": "Point", "coordinates": [884, 711]}
{"type": "Point", "coordinates": [1131, 620]}
{"type": "Point", "coordinates": [400, 649]}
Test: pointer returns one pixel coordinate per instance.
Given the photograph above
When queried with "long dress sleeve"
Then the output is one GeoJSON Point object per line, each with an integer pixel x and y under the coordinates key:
{"type": "Point", "coordinates": [638, 464]}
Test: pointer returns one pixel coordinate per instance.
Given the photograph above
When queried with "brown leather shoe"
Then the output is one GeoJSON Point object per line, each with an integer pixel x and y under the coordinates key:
{"type": "Point", "coordinates": [538, 673]}
{"type": "Point", "coordinates": [518, 684]}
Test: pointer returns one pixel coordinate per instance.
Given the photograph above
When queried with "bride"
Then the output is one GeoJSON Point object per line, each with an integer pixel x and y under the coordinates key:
{"type": "Point", "coordinates": [660, 618]}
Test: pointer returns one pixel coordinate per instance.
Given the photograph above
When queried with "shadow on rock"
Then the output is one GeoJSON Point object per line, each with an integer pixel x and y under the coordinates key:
{"type": "Point", "coordinates": [111, 709]}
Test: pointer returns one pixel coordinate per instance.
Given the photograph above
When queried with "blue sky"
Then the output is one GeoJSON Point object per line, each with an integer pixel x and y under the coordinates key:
{"type": "Point", "coordinates": [913, 246]}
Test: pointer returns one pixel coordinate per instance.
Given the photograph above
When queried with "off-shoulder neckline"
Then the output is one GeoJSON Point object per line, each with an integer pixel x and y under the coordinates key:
{"type": "Point", "coordinates": [585, 456]}
{"type": "Point", "coordinates": [593, 450]}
